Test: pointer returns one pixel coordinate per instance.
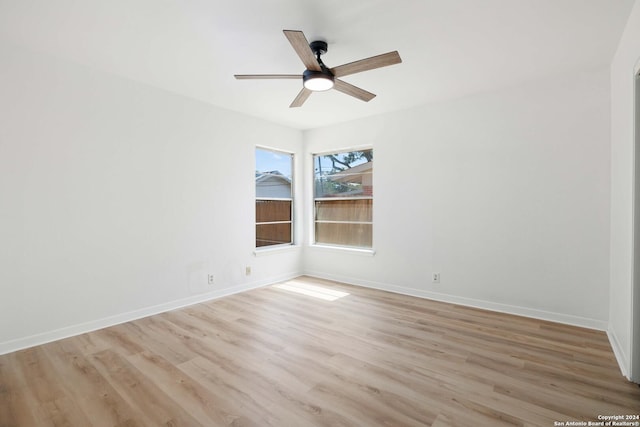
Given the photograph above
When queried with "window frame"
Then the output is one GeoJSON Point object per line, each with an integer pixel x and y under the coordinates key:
{"type": "Point", "coordinates": [290, 199]}
{"type": "Point", "coordinates": [314, 209]}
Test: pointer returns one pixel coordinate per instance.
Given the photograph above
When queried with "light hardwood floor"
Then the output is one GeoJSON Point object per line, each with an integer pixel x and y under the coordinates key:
{"type": "Point", "coordinates": [274, 357]}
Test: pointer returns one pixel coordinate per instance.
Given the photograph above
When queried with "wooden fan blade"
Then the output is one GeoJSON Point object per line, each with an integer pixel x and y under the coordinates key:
{"type": "Point", "coordinates": [267, 76]}
{"type": "Point", "coordinates": [301, 98]}
{"type": "Point", "coordinates": [352, 90]}
{"type": "Point", "coordinates": [372, 63]}
{"type": "Point", "coordinates": [301, 46]}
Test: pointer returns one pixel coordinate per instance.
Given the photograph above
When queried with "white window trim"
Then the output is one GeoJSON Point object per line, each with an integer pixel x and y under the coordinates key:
{"type": "Point", "coordinates": [344, 249]}
{"type": "Point", "coordinates": [275, 249]}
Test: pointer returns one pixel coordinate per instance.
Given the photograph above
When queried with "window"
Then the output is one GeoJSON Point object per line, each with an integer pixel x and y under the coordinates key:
{"type": "Point", "coordinates": [274, 198]}
{"type": "Point", "coordinates": [343, 198]}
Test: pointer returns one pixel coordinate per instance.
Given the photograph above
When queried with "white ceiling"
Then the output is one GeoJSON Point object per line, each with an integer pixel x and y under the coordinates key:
{"type": "Point", "coordinates": [450, 48]}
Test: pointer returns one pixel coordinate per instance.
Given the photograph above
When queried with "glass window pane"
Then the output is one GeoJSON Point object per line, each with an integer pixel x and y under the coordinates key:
{"type": "Point", "coordinates": [347, 174]}
{"type": "Point", "coordinates": [274, 197]}
{"type": "Point", "coordinates": [273, 210]}
{"type": "Point", "coordinates": [273, 173]}
{"type": "Point", "coordinates": [344, 210]}
{"type": "Point", "coordinates": [273, 234]}
{"type": "Point", "coordinates": [343, 193]}
{"type": "Point", "coordinates": [344, 234]}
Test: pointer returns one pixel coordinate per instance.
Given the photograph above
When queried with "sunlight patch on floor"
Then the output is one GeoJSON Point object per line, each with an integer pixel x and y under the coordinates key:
{"type": "Point", "coordinates": [315, 291]}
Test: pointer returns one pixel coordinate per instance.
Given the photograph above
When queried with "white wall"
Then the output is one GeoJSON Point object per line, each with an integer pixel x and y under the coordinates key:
{"type": "Point", "coordinates": [505, 194]}
{"type": "Point", "coordinates": [625, 61]}
{"type": "Point", "coordinates": [117, 199]}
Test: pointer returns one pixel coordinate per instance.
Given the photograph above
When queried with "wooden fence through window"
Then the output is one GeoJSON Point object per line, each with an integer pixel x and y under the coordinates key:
{"type": "Point", "coordinates": [273, 222]}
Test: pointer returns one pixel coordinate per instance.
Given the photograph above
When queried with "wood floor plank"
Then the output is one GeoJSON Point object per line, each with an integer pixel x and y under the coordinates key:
{"type": "Point", "coordinates": [276, 357]}
{"type": "Point", "coordinates": [205, 405]}
{"type": "Point", "coordinates": [152, 405]}
{"type": "Point", "coordinates": [17, 403]}
{"type": "Point", "coordinates": [255, 397]}
{"type": "Point", "coordinates": [49, 404]}
{"type": "Point", "coordinates": [156, 335]}
{"type": "Point", "coordinates": [83, 383]}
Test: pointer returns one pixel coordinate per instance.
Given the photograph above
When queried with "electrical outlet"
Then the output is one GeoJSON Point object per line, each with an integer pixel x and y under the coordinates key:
{"type": "Point", "coordinates": [210, 279]}
{"type": "Point", "coordinates": [435, 278]}
{"type": "Point", "coordinates": [247, 271]}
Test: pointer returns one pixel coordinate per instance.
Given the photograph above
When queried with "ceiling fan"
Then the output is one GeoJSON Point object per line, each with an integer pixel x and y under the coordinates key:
{"type": "Point", "coordinates": [318, 77]}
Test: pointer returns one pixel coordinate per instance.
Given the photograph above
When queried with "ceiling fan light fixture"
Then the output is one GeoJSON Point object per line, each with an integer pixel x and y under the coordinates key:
{"type": "Point", "coordinates": [317, 81]}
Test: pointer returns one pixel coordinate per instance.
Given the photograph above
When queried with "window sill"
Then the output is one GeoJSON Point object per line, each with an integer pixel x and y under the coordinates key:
{"type": "Point", "coordinates": [345, 249]}
{"type": "Point", "coordinates": [275, 250]}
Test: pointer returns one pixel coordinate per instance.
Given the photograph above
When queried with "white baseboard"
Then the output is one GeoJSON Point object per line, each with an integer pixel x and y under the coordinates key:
{"type": "Point", "coordinates": [470, 302]}
{"type": "Point", "coordinates": [618, 351]}
{"type": "Point", "coordinates": [69, 331]}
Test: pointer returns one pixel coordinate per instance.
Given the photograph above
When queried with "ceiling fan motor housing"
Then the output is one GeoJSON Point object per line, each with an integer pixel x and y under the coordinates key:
{"type": "Point", "coordinates": [318, 47]}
